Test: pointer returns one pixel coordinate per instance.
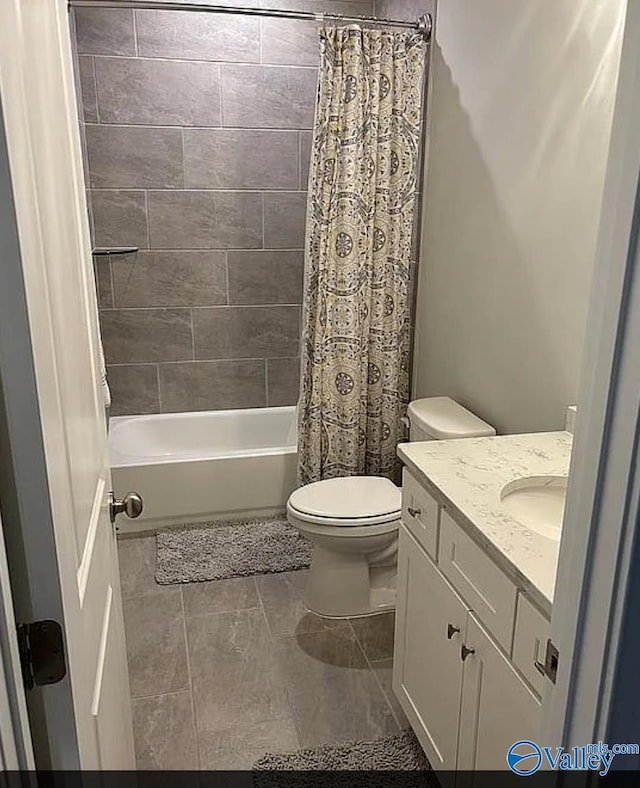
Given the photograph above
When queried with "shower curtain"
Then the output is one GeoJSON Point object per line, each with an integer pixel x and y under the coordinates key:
{"type": "Point", "coordinates": [362, 195]}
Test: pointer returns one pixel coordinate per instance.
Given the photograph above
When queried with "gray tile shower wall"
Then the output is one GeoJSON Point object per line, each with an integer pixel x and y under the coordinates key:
{"type": "Point", "coordinates": [404, 9]}
{"type": "Point", "coordinates": [198, 137]}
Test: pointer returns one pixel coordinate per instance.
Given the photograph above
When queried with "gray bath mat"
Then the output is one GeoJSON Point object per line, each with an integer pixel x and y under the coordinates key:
{"type": "Point", "coordinates": [399, 752]}
{"type": "Point", "coordinates": [215, 551]}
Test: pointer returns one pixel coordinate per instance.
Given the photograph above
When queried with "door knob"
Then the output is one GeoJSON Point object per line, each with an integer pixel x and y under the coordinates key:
{"type": "Point", "coordinates": [131, 505]}
{"type": "Point", "coordinates": [451, 630]}
{"type": "Point", "coordinates": [465, 652]}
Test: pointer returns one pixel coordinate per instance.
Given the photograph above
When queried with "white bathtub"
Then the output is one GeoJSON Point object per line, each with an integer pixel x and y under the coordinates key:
{"type": "Point", "coordinates": [204, 466]}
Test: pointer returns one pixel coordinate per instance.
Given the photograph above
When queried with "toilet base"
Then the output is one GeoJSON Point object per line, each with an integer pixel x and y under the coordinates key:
{"type": "Point", "coordinates": [344, 585]}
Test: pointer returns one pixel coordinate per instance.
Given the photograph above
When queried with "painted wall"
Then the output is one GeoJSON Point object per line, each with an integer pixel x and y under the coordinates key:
{"type": "Point", "coordinates": [521, 105]}
{"type": "Point", "coordinates": [198, 131]}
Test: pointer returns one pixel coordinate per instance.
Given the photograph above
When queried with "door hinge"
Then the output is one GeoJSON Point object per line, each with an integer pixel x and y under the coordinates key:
{"type": "Point", "coordinates": [41, 653]}
{"type": "Point", "coordinates": [551, 657]}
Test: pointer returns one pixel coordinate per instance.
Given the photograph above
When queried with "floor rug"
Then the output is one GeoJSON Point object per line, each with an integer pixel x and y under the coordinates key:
{"type": "Point", "coordinates": [398, 752]}
{"type": "Point", "coordinates": [216, 551]}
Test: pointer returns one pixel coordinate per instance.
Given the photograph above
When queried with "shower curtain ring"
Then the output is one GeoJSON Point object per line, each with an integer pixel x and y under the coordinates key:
{"type": "Point", "coordinates": [425, 26]}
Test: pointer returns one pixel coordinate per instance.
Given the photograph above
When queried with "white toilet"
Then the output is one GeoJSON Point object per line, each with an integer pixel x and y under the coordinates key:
{"type": "Point", "coordinates": [353, 521]}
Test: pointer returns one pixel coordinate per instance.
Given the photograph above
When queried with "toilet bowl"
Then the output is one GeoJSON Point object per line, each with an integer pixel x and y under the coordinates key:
{"type": "Point", "coordinates": [353, 522]}
{"type": "Point", "coordinates": [353, 525]}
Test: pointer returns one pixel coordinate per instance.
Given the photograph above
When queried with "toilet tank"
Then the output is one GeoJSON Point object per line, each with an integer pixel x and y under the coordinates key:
{"type": "Point", "coordinates": [441, 418]}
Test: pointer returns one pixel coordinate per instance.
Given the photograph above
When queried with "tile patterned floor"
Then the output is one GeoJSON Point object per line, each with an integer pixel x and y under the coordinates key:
{"type": "Point", "coordinates": [224, 671]}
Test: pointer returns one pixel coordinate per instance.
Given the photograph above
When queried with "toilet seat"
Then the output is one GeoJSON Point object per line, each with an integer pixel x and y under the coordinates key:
{"type": "Point", "coordinates": [328, 528]}
{"type": "Point", "coordinates": [371, 502]}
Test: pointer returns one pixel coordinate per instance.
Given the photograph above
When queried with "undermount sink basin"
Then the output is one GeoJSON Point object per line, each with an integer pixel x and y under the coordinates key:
{"type": "Point", "coordinates": [537, 502]}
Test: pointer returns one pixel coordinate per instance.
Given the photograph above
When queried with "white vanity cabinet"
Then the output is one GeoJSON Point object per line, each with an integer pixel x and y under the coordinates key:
{"type": "Point", "coordinates": [465, 696]}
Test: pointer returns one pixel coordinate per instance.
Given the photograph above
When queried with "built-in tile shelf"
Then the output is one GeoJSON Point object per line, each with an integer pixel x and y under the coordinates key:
{"type": "Point", "coordinates": [114, 251]}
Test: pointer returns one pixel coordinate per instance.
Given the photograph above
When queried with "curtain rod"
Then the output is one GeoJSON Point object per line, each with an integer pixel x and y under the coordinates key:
{"type": "Point", "coordinates": [424, 24]}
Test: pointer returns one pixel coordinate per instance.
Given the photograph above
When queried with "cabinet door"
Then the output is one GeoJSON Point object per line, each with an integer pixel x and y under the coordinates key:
{"type": "Point", "coordinates": [427, 675]}
{"type": "Point", "coordinates": [498, 708]}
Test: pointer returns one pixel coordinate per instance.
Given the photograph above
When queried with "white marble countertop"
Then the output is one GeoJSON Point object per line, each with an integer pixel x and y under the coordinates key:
{"type": "Point", "coordinates": [466, 477]}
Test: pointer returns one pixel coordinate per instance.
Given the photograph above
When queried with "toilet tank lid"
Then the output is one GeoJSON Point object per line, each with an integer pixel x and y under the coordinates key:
{"type": "Point", "coordinates": [348, 498]}
{"type": "Point", "coordinates": [442, 418]}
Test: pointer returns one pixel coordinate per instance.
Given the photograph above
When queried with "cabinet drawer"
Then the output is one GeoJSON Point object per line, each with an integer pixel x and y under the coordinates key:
{"type": "Point", "coordinates": [420, 514]}
{"type": "Point", "coordinates": [478, 580]}
{"type": "Point", "coordinates": [530, 642]}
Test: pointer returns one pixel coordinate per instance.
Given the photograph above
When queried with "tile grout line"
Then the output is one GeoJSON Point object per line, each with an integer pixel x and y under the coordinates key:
{"type": "Point", "coordinates": [187, 308]}
{"type": "Point", "coordinates": [159, 387]}
{"type": "Point", "coordinates": [234, 63]}
{"type": "Point", "coordinates": [375, 675]}
{"type": "Point", "coordinates": [111, 283]}
{"type": "Point", "coordinates": [197, 361]}
{"type": "Point", "coordinates": [193, 336]}
{"type": "Point", "coordinates": [95, 90]}
{"type": "Point", "coordinates": [220, 612]}
{"type": "Point", "coordinates": [135, 35]}
{"type": "Point", "coordinates": [206, 250]}
{"type": "Point", "coordinates": [193, 127]}
{"type": "Point", "coordinates": [184, 160]}
{"type": "Point", "coordinates": [191, 697]}
{"type": "Point", "coordinates": [220, 94]}
{"type": "Point", "coordinates": [274, 643]}
{"type": "Point", "coordinates": [177, 190]}
{"type": "Point", "coordinates": [161, 694]}
{"type": "Point", "coordinates": [382, 690]}
{"type": "Point", "coordinates": [147, 217]}
{"type": "Point", "coordinates": [160, 126]}
{"type": "Point", "coordinates": [226, 268]}
{"type": "Point", "coordinates": [262, 607]}
{"type": "Point", "coordinates": [386, 699]}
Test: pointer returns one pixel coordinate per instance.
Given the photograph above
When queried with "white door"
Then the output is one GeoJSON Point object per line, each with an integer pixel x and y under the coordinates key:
{"type": "Point", "coordinates": [16, 752]}
{"type": "Point", "coordinates": [38, 102]}
{"type": "Point", "coordinates": [427, 674]}
{"type": "Point", "coordinates": [498, 708]}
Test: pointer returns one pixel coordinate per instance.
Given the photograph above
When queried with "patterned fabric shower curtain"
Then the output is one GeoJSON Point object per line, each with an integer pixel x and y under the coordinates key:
{"type": "Point", "coordinates": [362, 196]}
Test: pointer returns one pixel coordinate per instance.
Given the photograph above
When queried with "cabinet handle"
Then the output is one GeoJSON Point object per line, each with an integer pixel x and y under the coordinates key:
{"type": "Point", "coordinates": [451, 630]}
{"type": "Point", "coordinates": [464, 652]}
{"type": "Point", "coordinates": [414, 512]}
{"type": "Point", "coordinates": [539, 666]}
